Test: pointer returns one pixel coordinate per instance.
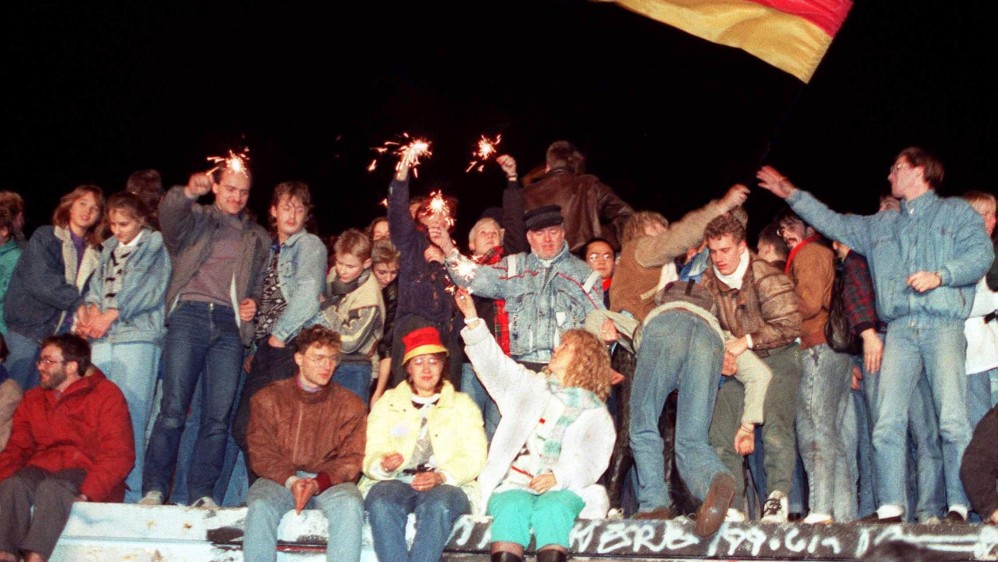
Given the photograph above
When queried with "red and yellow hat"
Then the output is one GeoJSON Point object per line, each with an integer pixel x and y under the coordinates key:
{"type": "Point", "coordinates": [422, 341]}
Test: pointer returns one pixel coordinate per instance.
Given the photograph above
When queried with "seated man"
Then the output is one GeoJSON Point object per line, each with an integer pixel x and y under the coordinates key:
{"type": "Point", "coordinates": [72, 441]}
{"type": "Point", "coordinates": [306, 440]}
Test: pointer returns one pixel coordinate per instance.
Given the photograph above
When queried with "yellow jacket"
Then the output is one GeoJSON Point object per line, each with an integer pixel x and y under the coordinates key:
{"type": "Point", "coordinates": [456, 432]}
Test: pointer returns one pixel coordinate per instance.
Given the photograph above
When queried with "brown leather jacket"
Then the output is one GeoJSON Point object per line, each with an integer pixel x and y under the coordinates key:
{"type": "Point", "coordinates": [590, 208]}
{"type": "Point", "coordinates": [766, 307]}
{"type": "Point", "coordinates": [322, 432]}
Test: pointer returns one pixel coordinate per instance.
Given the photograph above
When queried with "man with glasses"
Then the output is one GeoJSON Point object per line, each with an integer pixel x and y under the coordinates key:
{"type": "Point", "coordinates": [306, 441]}
{"type": "Point", "coordinates": [72, 441]}
{"type": "Point", "coordinates": [925, 260]}
{"type": "Point", "coordinates": [602, 259]}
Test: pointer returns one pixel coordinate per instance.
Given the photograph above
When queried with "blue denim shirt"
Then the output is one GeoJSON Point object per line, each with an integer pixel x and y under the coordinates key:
{"type": "Point", "coordinates": [141, 300]}
{"type": "Point", "coordinates": [930, 233]}
{"type": "Point", "coordinates": [301, 274]}
{"type": "Point", "coordinates": [542, 301]}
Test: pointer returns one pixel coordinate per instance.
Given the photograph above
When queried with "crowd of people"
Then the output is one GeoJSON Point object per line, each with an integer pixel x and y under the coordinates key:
{"type": "Point", "coordinates": [159, 349]}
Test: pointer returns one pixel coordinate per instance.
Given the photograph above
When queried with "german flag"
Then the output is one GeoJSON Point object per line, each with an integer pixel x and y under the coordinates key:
{"type": "Point", "coordinates": [791, 35]}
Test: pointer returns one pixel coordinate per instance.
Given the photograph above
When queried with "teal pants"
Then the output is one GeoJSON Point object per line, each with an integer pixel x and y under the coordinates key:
{"type": "Point", "coordinates": [551, 515]}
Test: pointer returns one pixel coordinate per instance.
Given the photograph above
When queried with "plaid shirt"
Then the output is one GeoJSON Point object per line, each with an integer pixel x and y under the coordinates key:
{"type": "Point", "coordinates": [493, 311]}
{"type": "Point", "coordinates": [857, 294]}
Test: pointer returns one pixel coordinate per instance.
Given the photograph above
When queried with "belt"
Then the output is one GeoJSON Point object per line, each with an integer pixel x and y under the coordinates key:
{"type": "Point", "coordinates": [773, 351]}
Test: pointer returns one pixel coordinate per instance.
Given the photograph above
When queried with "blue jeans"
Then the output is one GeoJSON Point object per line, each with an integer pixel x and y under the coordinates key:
{"type": "Point", "coordinates": [20, 362]}
{"type": "Point", "coordinates": [201, 339]}
{"type": "Point", "coordinates": [133, 367]}
{"type": "Point", "coordinates": [979, 396]}
{"type": "Point", "coordinates": [389, 504]}
{"type": "Point", "coordinates": [859, 449]}
{"type": "Point", "coordinates": [268, 501]}
{"type": "Point", "coordinates": [935, 349]}
{"type": "Point", "coordinates": [355, 377]}
{"type": "Point", "coordinates": [926, 488]}
{"type": "Point", "coordinates": [471, 386]}
{"type": "Point", "coordinates": [821, 404]}
{"type": "Point", "coordinates": [678, 350]}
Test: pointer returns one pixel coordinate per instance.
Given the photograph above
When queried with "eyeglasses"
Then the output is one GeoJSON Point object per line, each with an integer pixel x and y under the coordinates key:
{"type": "Point", "coordinates": [898, 167]}
{"type": "Point", "coordinates": [48, 361]}
{"type": "Point", "coordinates": [431, 361]}
{"type": "Point", "coordinates": [321, 359]}
{"type": "Point", "coordinates": [599, 257]}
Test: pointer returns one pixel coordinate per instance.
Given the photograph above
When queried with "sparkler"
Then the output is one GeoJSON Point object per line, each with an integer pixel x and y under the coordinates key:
{"type": "Point", "coordinates": [439, 209]}
{"type": "Point", "coordinates": [486, 149]}
{"type": "Point", "coordinates": [233, 162]}
{"type": "Point", "coordinates": [416, 147]}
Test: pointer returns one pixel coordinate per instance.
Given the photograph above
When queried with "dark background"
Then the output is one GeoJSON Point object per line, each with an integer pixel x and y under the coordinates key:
{"type": "Point", "coordinates": [94, 92]}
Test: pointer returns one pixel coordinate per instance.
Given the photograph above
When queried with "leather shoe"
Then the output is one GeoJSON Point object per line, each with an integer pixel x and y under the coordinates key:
{"type": "Point", "coordinates": [715, 506]}
{"type": "Point", "coordinates": [953, 518]}
{"type": "Point", "coordinates": [661, 513]}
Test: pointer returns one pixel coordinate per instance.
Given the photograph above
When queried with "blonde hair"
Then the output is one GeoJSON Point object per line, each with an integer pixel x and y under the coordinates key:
{"type": "Point", "coordinates": [591, 366]}
{"type": "Point", "coordinates": [983, 203]}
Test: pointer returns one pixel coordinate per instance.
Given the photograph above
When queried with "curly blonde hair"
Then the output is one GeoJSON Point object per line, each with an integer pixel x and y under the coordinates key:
{"type": "Point", "coordinates": [591, 366]}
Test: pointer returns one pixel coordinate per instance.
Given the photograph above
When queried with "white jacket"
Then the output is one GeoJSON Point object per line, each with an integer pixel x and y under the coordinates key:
{"type": "Point", "coordinates": [522, 396]}
{"type": "Point", "coordinates": [982, 339]}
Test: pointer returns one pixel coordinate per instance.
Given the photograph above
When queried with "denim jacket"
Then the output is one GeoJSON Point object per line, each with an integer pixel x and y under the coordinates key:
{"type": "Point", "coordinates": [141, 300]}
{"type": "Point", "coordinates": [301, 274]}
{"type": "Point", "coordinates": [929, 233]}
{"type": "Point", "coordinates": [542, 301]}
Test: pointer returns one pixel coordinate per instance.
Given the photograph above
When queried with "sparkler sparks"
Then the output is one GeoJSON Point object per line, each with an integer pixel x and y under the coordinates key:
{"type": "Point", "coordinates": [416, 148]}
{"type": "Point", "coordinates": [486, 149]}
{"type": "Point", "coordinates": [233, 162]}
{"type": "Point", "coordinates": [465, 269]}
{"type": "Point", "coordinates": [439, 209]}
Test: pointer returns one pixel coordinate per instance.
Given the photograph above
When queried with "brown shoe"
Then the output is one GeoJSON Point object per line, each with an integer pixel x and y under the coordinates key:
{"type": "Point", "coordinates": [662, 514]}
{"type": "Point", "coordinates": [715, 506]}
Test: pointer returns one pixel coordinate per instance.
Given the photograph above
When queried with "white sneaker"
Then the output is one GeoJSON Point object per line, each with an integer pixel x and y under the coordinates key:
{"type": "Point", "coordinates": [152, 498]}
{"type": "Point", "coordinates": [615, 513]}
{"type": "Point", "coordinates": [817, 519]}
{"type": "Point", "coordinates": [205, 503]}
{"type": "Point", "coordinates": [734, 516]}
{"type": "Point", "coordinates": [776, 508]}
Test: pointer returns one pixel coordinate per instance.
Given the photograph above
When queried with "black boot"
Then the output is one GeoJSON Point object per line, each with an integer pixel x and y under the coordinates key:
{"type": "Point", "coordinates": [551, 555]}
{"type": "Point", "coordinates": [505, 557]}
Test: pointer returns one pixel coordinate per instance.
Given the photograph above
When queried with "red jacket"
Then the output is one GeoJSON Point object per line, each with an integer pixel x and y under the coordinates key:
{"type": "Point", "coordinates": [87, 427]}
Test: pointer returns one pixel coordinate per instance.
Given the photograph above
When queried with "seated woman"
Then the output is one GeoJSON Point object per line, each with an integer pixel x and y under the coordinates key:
{"type": "Point", "coordinates": [425, 447]}
{"type": "Point", "coordinates": [553, 443]}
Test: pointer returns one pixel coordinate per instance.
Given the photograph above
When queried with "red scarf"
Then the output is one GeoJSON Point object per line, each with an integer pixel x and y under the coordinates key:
{"type": "Point", "coordinates": [797, 248]}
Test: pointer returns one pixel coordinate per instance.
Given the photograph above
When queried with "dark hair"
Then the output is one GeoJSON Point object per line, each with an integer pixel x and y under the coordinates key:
{"type": "Point", "coordinates": [725, 224]}
{"type": "Point", "coordinates": [13, 201]}
{"type": "Point", "coordinates": [563, 154]}
{"type": "Point", "coordinates": [61, 215]}
{"type": "Point", "coordinates": [769, 235]}
{"type": "Point", "coordinates": [444, 369]}
{"type": "Point", "coordinates": [4, 350]}
{"type": "Point", "coordinates": [786, 214]}
{"type": "Point", "coordinates": [369, 231]}
{"type": "Point", "coordinates": [918, 156]}
{"type": "Point", "coordinates": [585, 247]}
{"type": "Point", "coordinates": [73, 348]}
{"type": "Point", "coordinates": [292, 190]}
{"type": "Point", "coordinates": [317, 334]}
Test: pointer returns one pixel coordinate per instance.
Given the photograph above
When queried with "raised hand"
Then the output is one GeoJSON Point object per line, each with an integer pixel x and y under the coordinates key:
{"type": "Point", "coordinates": [772, 180]}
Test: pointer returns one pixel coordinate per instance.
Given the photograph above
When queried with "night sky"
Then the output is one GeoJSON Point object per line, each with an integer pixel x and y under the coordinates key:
{"type": "Point", "coordinates": [93, 92]}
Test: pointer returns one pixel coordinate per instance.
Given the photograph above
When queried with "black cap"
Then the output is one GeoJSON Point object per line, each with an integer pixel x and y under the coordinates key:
{"type": "Point", "coordinates": [543, 217]}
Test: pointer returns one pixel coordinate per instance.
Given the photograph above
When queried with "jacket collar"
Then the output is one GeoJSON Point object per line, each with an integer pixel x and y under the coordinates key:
{"type": "Point", "coordinates": [920, 203]}
{"type": "Point", "coordinates": [294, 238]}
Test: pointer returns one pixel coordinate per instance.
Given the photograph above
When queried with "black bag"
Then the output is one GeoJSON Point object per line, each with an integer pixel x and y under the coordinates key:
{"type": "Point", "coordinates": [838, 331]}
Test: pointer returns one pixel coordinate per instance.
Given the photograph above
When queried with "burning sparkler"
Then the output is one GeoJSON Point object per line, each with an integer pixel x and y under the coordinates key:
{"type": "Point", "coordinates": [439, 209]}
{"type": "Point", "coordinates": [233, 162]}
{"type": "Point", "coordinates": [415, 147]}
{"type": "Point", "coordinates": [486, 149]}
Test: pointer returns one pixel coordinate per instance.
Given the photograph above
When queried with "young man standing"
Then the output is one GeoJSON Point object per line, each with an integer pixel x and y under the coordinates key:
{"type": "Point", "coordinates": [219, 257]}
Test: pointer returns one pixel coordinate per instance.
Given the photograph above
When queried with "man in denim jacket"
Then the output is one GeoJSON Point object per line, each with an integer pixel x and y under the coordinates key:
{"type": "Point", "coordinates": [547, 291]}
{"type": "Point", "coordinates": [925, 261]}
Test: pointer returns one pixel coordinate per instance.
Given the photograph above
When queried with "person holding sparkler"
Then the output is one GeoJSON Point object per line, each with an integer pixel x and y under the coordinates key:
{"type": "Point", "coordinates": [219, 259]}
{"type": "Point", "coordinates": [424, 298]}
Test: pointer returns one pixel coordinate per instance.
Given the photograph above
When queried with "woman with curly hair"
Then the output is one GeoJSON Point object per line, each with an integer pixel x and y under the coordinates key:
{"type": "Point", "coordinates": [553, 443]}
